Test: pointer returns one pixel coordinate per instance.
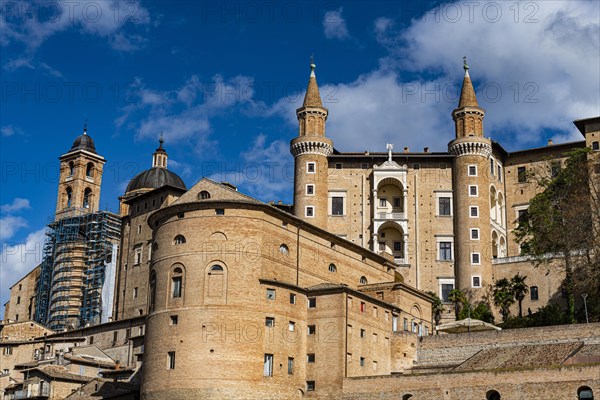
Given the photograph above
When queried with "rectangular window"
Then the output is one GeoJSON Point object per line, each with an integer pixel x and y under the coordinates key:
{"type": "Point", "coordinates": [174, 319]}
{"type": "Point", "coordinates": [311, 167]}
{"type": "Point", "coordinates": [374, 365]}
{"type": "Point", "coordinates": [171, 360]}
{"type": "Point", "coordinates": [382, 202]}
{"type": "Point", "coordinates": [310, 358]}
{"type": "Point", "coordinates": [8, 351]}
{"type": "Point", "coordinates": [176, 287]}
{"type": "Point", "coordinates": [337, 206]}
{"type": "Point", "coordinates": [364, 166]}
{"type": "Point", "coordinates": [474, 234]}
{"type": "Point", "coordinates": [500, 173]}
{"type": "Point", "coordinates": [446, 288]}
{"type": "Point", "coordinates": [312, 329]}
{"type": "Point", "coordinates": [268, 365]}
{"type": "Point", "coordinates": [363, 333]}
{"type": "Point", "coordinates": [595, 145]}
{"type": "Point", "coordinates": [312, 302]}
{"type": "Point", "coordinates": [310, 386]}
{"type": "Point", "coordinates": [135, 293]}
{"type": "Point", "coordinates": [375, 312]}
{"type": "Point", "coordinates": [290, 366]}
{"type": "Point", "coordinates": [472, 190]}
{"type": "Point", "coordinates": [472, 170]}
{"type": "Point", "coordinates": [310, 190]}
{"type": "Point", "coordinates": [338, 166]}
{"type": "Point", "coordinates": [19, 299]}
{"type": "Point", "coordinates": [362, 361]}
{"type": "Point", "coordinates": [445, 251]}
{"type": "Point", "coordinates": [474, 211]}
{"type": "Point", "coordinates": [476, 281]}
{"type": "Point", "coordinates": [416, 166]}
{"type": "Point", "coordinates": [394, 323]}
{"type": "Point", "coordinates": [521, 174]}
{"type": "Point", "coordinates": [381, 246]}
{"type": "Point", "coordinates": [398, 247]}
{"type": "Point", "coordinates": [220, 211]}
{"type": "Point", "coordinates": [475, 258]}
{"type": "Point", "coordinates": [533, 290]}
{"type": "Point", "coordinates": [292, 298]}
{"type": "Point", "coordinates": [491, 166]}
{"type": "Point", "coordinates": [269, 322]}
{"type": "Point", "coordinates": [362, 306]}
{"type": "Point", "coordinates": [444, 206]}
{"type": "Point", "coordinates": [310, 211]}
{"type": "Point", "coordinates": [375, 338]}
{"type": "Point", "coordinates": [270, 294]}
{"type": "Point", "coordinates": [397, 201]}
{"type": "Point", "coordinates": [405, 324]}
{"type": "Point", "coordinates": [291, 326]}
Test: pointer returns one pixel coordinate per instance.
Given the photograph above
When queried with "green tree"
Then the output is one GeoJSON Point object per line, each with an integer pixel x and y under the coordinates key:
{"type": "Point", "coordinates": [560, 222]}
{"type": "Point", "coordinates": [504, 297]}
{"type": "Point", "coordinates": [480, 311]}
{"type": "Point", "coordinates": [458, 298]}
{"type": "Point", "coordinates": [520, 289]}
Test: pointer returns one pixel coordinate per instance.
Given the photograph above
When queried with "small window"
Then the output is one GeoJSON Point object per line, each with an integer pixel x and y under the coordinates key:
{"type": "Point", "coordinates": [363, 333]}
{"type": "Point", "coordinates": [364, 166]}
{"type": "Point", "coordinates": [310, 190]}
{"type": "Point", "coordinates": [363, 306]}
{"type": "Point", "coordinates": [397, 202]}
{"type": "Point", "coordinates": [179, 239]}
{"type": "Point", "coordinates": [268, 365]}
{"type": "Point", "coordinates": [135, 292]}
{"type": "Point", "coordinates": [475, 258]}
{"type": "Point", "coordinates": [595, 145]}
{"type": "Point", "coordinates": [219, 211]}
{"type": "Point", "coordinates": [474, 234]}
{"type": "Point", "coordinates": [312, 302]}
{"type": "Point", "coordinates": [445, 251]}
{"type": "Point", "coordinates": [71, 168]}
{"type": "Point", "coordinates": [362, 361]}
{"type": "Point", "coordinates": [337, 206]}
{"type": "Point", "coordinates": [500, 173]}
{"type": "Point", "coordinates": [473, 190]}
{"type": "Point", "coordinates": [89, 170]}
{"type": "Point", "coordinates": [382, 246]}
{"type": "Point", "coordinates": [382, 202]}
{"type": "Point", "coordinates": [533, 291]}
{"type": "Point", "coordinates": [270, 294]}
{"type": "Point", "coordinates": [204, 195]}
{"type": "Point", "coordinates": [174, 319]}
{"type": "Point", "coordinates": [290, 365]}
{"type": "Point", "coordinates": [310, 386]}
{"type": "Point", "coordinates": [310, 211]}
{"type": "Point", "coordinates": [292, 298]}
{"type": "Point", "coordinates": [522, 216]}
{"type": "Point", "coordinates": [311, 167]}
{"type": "Point", "coordinates": [283, 249]}
{"type": "Point", "coordinates": [310, 357]}
{"type": "Point", "coordinates": [171, 360]}
{"type": "Point", "coordinates": [269, 322]}
{"type": "Point", "coordinates": [521, 174]}
{"type": "Point", "coordinates": [416, 166]}
{"type": "Point", "coordinates": [19, 297]}
{"type": "Point", "coordinates": [332, 268]}
{"type": "Point", "coordinates": [474, 211]}
{"type": "Point", "coordinates": [312, 329]}
{"type": "Point", "coordinates": [176, 282]}
{"type": "Point", "coordinates": [216, 268]}
{"type": "Point", "coordinates": [444, 205]}
{"type": "Point", "coordinates": [291, 326]}
{"type": "Point", "coordinates": [476, 282]}
{"type": "Point", "coordinates": [363, 280]}
{"type": "Point", "coordinates": [472, 170]}
{"type": "Point", "coordinates": [180, 215]}
{"type": "Point", "coordinates": [491, 166]}
{"type": "Point", "coordinates": [338, 166]}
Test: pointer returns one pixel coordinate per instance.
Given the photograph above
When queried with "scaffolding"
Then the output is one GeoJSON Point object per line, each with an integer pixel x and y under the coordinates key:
{"type": "Point", "coordinates": [77, 250]}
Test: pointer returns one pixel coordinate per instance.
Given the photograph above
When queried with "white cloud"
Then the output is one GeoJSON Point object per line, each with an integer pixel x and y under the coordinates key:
{"type": "Point", "coordinates": [18, 259]}
{"type": "Point", "coordinates": [31, 23]}
{"type": "Point", "coordinates": [9, 225]}
{"type": "Point", "coordinates": [17, 204]}
{"type": "Point", "coordinates": [8, 130]}
{"type": "Point", "coordinates": [334, 25]}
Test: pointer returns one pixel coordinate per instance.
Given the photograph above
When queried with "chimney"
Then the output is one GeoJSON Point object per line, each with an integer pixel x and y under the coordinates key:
{"type": "Point", "coordinates": [426, 149]}
{"type": "Point", "coordinates": [550, 143]}
{"type": "Point", "coordinates": [406, 149]}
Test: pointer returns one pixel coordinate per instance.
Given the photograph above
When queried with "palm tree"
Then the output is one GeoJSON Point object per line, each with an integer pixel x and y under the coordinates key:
{"type": "Point", "coordinates": [458, 298]}
{"type": "Point", "coordinates": [436, 307]}
{"type": "Point", "coordinates": [520, 289]}
{"type": "Point", "coordinates": [504, 297]}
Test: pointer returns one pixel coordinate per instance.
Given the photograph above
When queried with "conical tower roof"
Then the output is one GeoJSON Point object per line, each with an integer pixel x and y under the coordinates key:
{"type": "Point", "coordinates": [467, 94]}
{"type": "Point", "coordinates": [312, 97]}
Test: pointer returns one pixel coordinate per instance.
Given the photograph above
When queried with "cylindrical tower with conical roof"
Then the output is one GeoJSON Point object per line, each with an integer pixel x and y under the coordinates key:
{"type": "Point", "coordinates": [310, 150]}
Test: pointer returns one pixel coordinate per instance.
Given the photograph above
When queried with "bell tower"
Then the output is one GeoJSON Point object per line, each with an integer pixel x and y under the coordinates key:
{"type": "Point", "coordinates": [80, 178]}
{"type": "Point", "coordinates": [471, 181]}
{"type": "Point", "coordinates": [310, 150]}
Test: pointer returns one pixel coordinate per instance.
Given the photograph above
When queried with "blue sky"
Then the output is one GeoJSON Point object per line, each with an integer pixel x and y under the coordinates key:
{"type": "Point", "coordinates": [222, 80]}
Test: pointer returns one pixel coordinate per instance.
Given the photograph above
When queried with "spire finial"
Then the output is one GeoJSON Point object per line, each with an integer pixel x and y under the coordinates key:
{"type": "Point", "coordinates": [85, 127]}
{"type": "Point", "coordinates": [465, 66]}
{"type": "Point", "coordinates": [312, 65]}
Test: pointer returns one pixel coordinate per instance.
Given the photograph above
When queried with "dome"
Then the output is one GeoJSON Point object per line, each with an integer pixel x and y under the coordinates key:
{"type": "Point", "coordinates": [154, 178]}
{"type": "Point", "coordinates": [84, 142]}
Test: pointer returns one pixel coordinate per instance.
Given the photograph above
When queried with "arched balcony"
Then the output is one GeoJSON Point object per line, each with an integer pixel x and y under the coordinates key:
{"type": "Point", "coordinates": [392, 239]}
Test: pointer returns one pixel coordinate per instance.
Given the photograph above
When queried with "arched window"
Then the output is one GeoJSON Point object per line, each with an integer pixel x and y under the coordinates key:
{"type": "Point", "coordinates": [152, 291]}
{"type": "Point", "coordinates": [333, 268]}
{"type": "Point", "coordinates": [179, 239]}
{"type": "Point", "coordinates": [363, 280]}
{"type": "Point", "coordinates": [407, 396]}
{"type": "Point", "coordinates": [87, 194]}
{"type": "Point", "coordinates": [204, 195]}
{"type": "Point", "coordinates": [215, 284]}
{"type": "Point", "coordinates": [585, 393]}
{"type": "Point", "coordinates": [177, 283]}
{"type": "Point", "coordinates": [283, 249]}
{"type": "Point", "coordinates": [492, 395]}
{"type": "Point", "coordinates": [89, 170]}
{"type": "Point", "coordinates": [69, 196]}
{"type": "Point", "coordinates": [216, 268]}
{"type": "Point", "coordinates": [71, 168]}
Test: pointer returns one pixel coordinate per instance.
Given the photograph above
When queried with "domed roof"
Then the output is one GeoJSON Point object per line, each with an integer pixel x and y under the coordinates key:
{"type": "Point", "coordinates": [84, 142]}
{"type": "Point", "coordinates": [154, 178]}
